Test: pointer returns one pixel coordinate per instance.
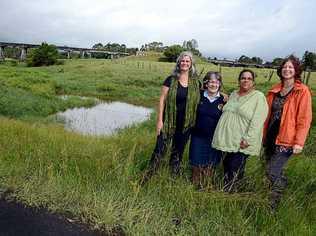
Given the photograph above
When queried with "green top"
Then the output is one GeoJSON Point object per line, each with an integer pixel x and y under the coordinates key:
{"type": "Point", "coordinates": [243, 118]}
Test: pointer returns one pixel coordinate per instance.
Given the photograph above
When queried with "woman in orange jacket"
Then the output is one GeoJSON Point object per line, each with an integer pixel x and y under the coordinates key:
{"type": "Point", "coordinates": [287, 124]}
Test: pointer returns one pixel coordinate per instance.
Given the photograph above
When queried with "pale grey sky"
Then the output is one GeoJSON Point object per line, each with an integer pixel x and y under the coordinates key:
{"type": "Point", "coordinates": [222, 28]}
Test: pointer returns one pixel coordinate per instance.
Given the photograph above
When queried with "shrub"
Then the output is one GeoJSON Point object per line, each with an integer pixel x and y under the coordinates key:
{"type": "Point", "coordinates": [44, 55]}
{"type": "Point", "coordinates": [173, 52]}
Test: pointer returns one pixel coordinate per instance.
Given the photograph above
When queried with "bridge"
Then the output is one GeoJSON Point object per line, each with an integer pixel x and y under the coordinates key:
{"type": "Point", "coordinates": [83, 51]}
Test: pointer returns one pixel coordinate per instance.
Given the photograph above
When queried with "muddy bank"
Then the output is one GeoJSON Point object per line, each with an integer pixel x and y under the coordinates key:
{"type": "Point", "coordinates": [17, 219]}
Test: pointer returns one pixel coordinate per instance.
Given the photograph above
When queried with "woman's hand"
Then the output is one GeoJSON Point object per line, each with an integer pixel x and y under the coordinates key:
{"type": "Point", "coordinates": [297, 149]}
{"type": "Point", "coordinates": [243, 144]}
{"type": "Point", "coordinates": [225, 96]}
{"type": "Point", "coordinates": [159, 127]}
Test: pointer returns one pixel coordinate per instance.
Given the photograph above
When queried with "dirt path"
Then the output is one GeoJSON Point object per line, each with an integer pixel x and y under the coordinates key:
{"type": "Point", "coordinates": [18, 220]}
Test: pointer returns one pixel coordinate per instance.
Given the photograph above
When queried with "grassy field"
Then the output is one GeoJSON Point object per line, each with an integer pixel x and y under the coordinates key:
{"type": "Point", "coordinates": [94, 179]}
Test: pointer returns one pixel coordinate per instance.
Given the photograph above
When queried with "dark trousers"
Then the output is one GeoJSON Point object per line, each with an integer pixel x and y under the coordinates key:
{"type": "Point", "coordinates": [234, 167]}
{"type": "Point", "coordinates": [179, 140]}
{"type": "Point", "coordinates": [275, 164]}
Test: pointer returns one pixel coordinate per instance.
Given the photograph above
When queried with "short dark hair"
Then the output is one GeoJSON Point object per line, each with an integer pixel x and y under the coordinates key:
{"type": "Point", "coordinates": [297, 67]}
{"type": "Point", "coordinates": [247, 70]}
{"type": "Point", "coordinates": [212, 75]}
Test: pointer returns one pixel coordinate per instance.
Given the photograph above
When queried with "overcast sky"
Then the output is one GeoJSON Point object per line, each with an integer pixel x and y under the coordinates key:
{"type": "Point", "coordinates": [223, 28]}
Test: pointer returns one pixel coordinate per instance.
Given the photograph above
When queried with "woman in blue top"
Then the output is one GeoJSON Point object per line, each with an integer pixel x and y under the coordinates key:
{"type": "Point", "coordinates": [203, 158]}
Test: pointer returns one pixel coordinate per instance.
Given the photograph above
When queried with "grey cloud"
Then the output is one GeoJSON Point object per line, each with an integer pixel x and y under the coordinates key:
{"type": "Point", "coordinates": [256, 28]}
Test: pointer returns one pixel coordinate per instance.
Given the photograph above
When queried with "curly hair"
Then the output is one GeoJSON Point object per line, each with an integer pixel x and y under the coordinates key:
{"type": "Point", "coordinates": [192, 71]}
{"type": "Point", "coordinates": [296, 64]}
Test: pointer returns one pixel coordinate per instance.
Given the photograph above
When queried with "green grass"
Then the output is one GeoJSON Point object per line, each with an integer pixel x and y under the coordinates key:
{"type": "Point", "coordinates": [95, 179]}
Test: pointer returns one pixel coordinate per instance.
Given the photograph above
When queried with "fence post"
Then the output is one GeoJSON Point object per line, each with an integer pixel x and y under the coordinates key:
{"type": "Point", "coordinates": [2, 56]}
{"type": "Point", "coordinates": [270, 75]}
{"type": "Point", "coordinates": [307, 77]}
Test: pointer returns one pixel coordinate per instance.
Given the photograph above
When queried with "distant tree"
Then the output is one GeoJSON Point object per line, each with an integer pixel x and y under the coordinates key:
{"type": "Point", "coordinates": [154, 46]}
{"type": "Point", "coordinates": [98, 46]}
{"type": "Point", "coordinates": [256, 60]}
{"type": "Point", "coordinates": [184, 44]}
{"type": "Point", "coordinates": [173, 52]}
{"type": "Point", "coordinates": [244, 59]}
{"type": "Point", "coordinates": [115, 47]}
{"type": "Point", "coordinates": [192, 45]}
{"type": "Point", "coordinates": [44, 55]}
{"type": "Point", "coordinates": [131, 50]}
{"type": "Point", "coordinates": [309, 60]}
{"type": "Point", "coordinates": [248, 60]}
{"type": "Point", "coordinates": [123, 48]}
{"type": "Point", "coordinates": [277, 61]}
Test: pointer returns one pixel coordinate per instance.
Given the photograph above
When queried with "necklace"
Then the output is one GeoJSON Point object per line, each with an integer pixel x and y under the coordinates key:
{"type": "Point", "coordinates": [285, 90]}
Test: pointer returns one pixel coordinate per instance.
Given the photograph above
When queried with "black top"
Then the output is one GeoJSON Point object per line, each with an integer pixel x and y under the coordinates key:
{"type": "Point", "coordinates": [208, 114]}
{"type": "Point", "coordinates": [275, 120]}
{"type": "Point", "coordinates": [181, 101]}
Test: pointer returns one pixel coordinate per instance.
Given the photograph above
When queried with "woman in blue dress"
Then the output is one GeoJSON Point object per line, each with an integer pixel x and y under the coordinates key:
{"type": "Point", "coordinates": [204, 158]}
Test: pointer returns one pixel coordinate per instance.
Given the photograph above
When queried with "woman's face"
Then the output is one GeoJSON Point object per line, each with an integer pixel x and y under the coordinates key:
{"type": "Point", "coordinates": [213, 85]}
{"type": "Point", "coordinates": [288, 71]}
{"type": "Point", "coordinates": [246, 82]}
{"type": "Point", "coordinates": [185, 63]}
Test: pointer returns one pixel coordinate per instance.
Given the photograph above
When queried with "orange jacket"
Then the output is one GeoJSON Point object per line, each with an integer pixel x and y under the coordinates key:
{"type": "Point", "coordinates": [296, 116]}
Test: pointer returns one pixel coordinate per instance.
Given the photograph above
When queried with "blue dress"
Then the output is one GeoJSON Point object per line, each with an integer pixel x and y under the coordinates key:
{"type": "Point", "coordinates": [201, 152]}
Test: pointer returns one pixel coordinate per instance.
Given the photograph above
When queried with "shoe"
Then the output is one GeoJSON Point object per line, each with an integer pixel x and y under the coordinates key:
{"type": "Point", "coordinates": [146, 177]}
{"type": "Point", "coordinates": [196, 176]}
{"type": "Point", "coordinates": [175, 170]}
{"type": "Point", "coordinates": [275, 199]}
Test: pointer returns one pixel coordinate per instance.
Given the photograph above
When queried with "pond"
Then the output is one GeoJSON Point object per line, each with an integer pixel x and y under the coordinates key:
{"type": "Point", "coordinates": [104, 118]}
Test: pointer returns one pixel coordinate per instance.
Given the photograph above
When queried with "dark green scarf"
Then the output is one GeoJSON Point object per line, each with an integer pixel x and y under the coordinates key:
{"type": "Point", "coordinates": [170, 112]}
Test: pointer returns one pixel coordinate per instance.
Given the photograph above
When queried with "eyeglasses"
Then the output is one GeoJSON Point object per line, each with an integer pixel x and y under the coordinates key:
{"type": "Point", "coordinates": [246, 78]}
{"type": "Point", "coordinates": [213, 82]}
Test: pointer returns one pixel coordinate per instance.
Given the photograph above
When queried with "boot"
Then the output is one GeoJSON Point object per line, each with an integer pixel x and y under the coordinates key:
{"type": "Point", "coordinates": [196, 175]}
{"type": "Point", "coordinates": [276, 193]}
{"type": "Point", "coordinates": [175, 166]}
{"type": "Point", "coordinates": [146, 177]}
{"type": "Point", "coordinates": [152, 169]}
{"type": "Point", "coordinates": [207, 174]}
{"type": "Point", "coordinates": [275, 199]}
{"type": "Point", "coordinates": [175, 170]}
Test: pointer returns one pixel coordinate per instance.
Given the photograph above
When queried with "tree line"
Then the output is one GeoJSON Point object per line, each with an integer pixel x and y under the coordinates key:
{"type": "Point", "coordinates": [114, 47]}
{"type": "Point", "coordinates": [173, 51]}
{"type": "Point", "coordinates": [48, 54]}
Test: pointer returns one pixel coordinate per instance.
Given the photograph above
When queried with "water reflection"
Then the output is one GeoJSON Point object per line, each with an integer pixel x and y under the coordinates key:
{"type": "Point", "coordinates": [104, 118]}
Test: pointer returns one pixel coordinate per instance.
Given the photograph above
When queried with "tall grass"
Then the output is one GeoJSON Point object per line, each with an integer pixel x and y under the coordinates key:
{"type": "Point", "coordinates": [96, 179]}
